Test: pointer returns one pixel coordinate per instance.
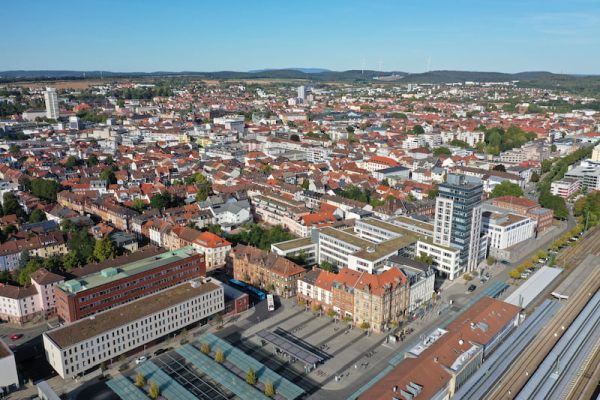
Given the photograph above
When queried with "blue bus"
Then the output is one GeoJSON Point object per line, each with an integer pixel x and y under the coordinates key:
{"type": "Point", "coordinates": [251, 290]}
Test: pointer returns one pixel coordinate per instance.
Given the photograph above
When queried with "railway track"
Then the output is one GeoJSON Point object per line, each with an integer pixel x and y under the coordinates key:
{"type": "Point", "coordinates": [513, 381]}
{"type": "Point", "coordinates": [571, 352]}
{"type": "Point", "coordinates": [590, 244]}
{"type": "Point", "coordinates": [586, 382]}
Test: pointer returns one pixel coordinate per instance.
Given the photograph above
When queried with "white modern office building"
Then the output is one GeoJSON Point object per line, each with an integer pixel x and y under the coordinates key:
{"type": "Point", "coordinates": [588, 172]}
{"type": "Point", "coordinates": [446, 260]}
{"type": "Point", "coordinates": [565, 187]}
{"type": "Point", "coordinates": [80, 346]}
{"type": "Point", "coordinates": [51, 99]}
{"type": "Point", "coordinates": [505, 230]}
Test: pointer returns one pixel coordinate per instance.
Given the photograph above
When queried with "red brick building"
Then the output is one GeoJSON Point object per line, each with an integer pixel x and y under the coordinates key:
{"type": "Point", "coordinates": [98, 287]}
{"type": "Point", "coordinates": [265, 270]}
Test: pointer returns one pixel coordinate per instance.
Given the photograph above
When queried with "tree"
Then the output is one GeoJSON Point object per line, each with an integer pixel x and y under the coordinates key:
{"type": "Point", "coordinates": [165, 200]}
{"type": "Point", "coordinates": [459, 143]}
{"type": "Point", "coordinates": [45, 188]}
{"type": "Point", "coordinates": [214, 228]}
{"type": "Point", "coordinates": [541, 254]}
{"type": "Point", "coordinates": [364, 325]}
{"type": "Point", "coordinates": [546, 166]}
{"type": "Point", "coordinates": [316, 309]}
{"type": "Point", "coordinates": [499, 167]}
{"type": "Point", "coordinates": [138, 205]}
{"type": "Point", "coordinates": [14, 151]}
{"type": "Point", "coordinates": [269, 389]}
{"type": "Point", "coordinates": [490, 261]}
{"type": "Point", "coordinates": [10, 205]}
{"type": "Point", "coordinates": [108, 175]}
{"type": "Point", "coordinates": [219, 319]}
{"type": "Point", "coordinates": [535, 177]}
{"type": "Point", "coordinates": [425, 259]}
{"type": "Point", "coordinates": [294, 137]}
{"type": "Point", "coordinates": [439, 151]}
{"type": "Point", "coordinates": [251, 377]}
{"type": "Point", "coordinates": [553, 148]}
{"type": "Point", "coordinates": [219, 356]}
{"type": "Point", "coordinates": [37, 215]}
{"type": "Point", "coordinates": [82, 244]}
{"type": "Point", "coordinates": [203, 191]}
{"type": "Point", "coordinates": [555, 203]}
{"type": "Point", "coordinates": [327, 266]}
{"type": "Point", "coordinates": [92, 160]}
{"type": "Point", "coordinates": [154, 390]}
{"type": "Point", "coordinates": [70, 261]}
{"type": "Point", "coordinates": [305, 184]}
{"type": "Point", "coordinates": [205, 348]}
{"type": "Point", "coordinates": [418, 130]}
{"type": "Point", "coordinates": [24, 259]}
{"type": "Point", "coordinates": [104, 249]}
{"type": "Point", "coordinates": [72, 161]}
{"type": "Point", "coordinates": [514, 274]}
{"type": "Point", "coordinates": [258, 236]}
{"type": "Point", "coordinates": [468, 277]}
{"type": "Point", "coordinates": [330, 313]}
{"type": "Point", "coordinates": [140, 380]}
{"type": "Point", "coordinates": [506, 188]}
{"type": "Point", "coordinates": [432, 193]}
{"type": "Point", "coordinates": [32, 265]}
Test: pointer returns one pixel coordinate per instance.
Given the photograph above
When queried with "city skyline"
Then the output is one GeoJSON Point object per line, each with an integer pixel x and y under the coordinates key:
{"type": "Point", "coordinates": [501, 36]}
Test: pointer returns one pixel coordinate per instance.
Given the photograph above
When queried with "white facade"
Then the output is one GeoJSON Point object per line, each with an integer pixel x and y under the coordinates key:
{"type": "Point", "coordinates": [214, 256]}
{"type": "Point", "coordinates": [588, 172]}
{"type": "Point", "coordinates": [17, 310]}
{"type": "Point", "coordinates": [565, 187]}
{"type": "Point", "coordinates": [72, 357]}
{"type": "Point", "coordinates": [446, 259]}
{"type": "Point", "coordinates": [507, 230]}
{"type": "Point", "coordinates": [51, 99]}
{"type": "Point", "coordinates": [315, 292]}
{"type": "Point", "coordinates": [9, 379]}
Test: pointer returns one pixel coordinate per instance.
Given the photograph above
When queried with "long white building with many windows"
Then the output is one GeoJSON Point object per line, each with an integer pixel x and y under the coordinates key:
{"type": "Point", "coordinates": [78, 347]}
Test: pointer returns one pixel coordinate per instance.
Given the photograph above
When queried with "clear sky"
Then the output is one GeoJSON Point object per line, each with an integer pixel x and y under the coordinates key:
{"type": "Point", "coordinates": [208, 35]}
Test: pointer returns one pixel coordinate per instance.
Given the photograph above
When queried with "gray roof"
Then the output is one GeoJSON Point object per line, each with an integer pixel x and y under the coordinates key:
{"type": "Point", "coordinates": [533, 286]}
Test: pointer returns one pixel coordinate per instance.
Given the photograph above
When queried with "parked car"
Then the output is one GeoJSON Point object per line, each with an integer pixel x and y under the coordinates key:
{"type": "Point", "coordinates": [160, 351]}
{"type": "Point", "coordinates": [141, 359]}
{"type": "Point", "coordinates": [471, 288]}
{"type": "Point", "coordinates": [524, 275]}
{"type": "Point", "coordinates": [16, 336]}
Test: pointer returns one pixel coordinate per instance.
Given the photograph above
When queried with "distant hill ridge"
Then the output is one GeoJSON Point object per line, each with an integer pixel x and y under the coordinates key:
{"type": "Point", "coordinates": [311, 74]}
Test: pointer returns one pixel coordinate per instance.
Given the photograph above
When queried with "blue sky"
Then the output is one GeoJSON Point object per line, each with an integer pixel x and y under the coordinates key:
{"type": "Point", "coordinates": [400, 35]}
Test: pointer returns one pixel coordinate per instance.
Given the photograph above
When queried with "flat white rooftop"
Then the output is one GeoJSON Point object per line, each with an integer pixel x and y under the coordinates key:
{"type": "Point", "coordinates": [533, 286]}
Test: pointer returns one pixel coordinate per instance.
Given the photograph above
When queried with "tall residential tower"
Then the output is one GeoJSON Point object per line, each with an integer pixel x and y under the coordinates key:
{"type": "Point", "coordinates": [51, 99]}
{"type": "Point", "coordinates": [458, 218]}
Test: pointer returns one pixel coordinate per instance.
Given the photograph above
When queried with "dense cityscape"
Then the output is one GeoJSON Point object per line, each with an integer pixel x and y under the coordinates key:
{"type": "Point", "coordinates": [298, 233]}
